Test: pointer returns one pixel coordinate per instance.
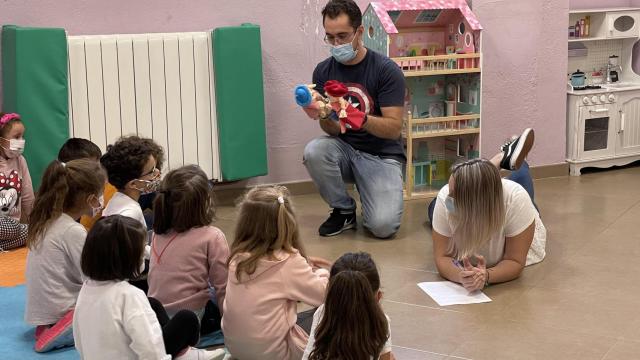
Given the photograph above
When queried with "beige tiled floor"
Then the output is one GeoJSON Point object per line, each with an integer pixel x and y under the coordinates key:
{"type": "Point", "coordinates": [582, 302]}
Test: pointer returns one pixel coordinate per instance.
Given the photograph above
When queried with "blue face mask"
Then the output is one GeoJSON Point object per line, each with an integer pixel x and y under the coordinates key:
{"type": "Point", "coordinates": [343, 53]}
{"type": "Point", "coordinates": [450, 205]}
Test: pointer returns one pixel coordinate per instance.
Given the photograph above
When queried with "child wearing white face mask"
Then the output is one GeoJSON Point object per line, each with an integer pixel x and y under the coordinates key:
{"type": "Point", "coordinates": [11, 147]}
{"type": "Point", "coordinates": [55, 242]}
{"type": "Point", "coordinates": [132, 165]}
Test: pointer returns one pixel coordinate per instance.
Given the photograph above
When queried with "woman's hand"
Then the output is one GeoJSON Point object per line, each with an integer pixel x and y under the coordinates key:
{"type": "Point", "coordinates": [474, 277]}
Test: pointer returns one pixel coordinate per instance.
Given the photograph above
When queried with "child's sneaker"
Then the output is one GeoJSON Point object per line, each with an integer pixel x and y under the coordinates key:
{"type": "Point", "coordinates": [516, 150]}
{"type": "Point", "coordinates": [59, 335]}
{"type": "Point", "coordinates": [201, 354]}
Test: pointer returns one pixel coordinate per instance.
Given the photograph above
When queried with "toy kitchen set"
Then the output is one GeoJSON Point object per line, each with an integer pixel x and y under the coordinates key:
{"type": "Point", "coordinates": [603, 104]}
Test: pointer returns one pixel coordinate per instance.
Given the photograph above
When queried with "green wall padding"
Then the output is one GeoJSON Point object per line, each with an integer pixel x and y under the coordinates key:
{"type": "Point", "coordinates": [34, 71]}
{"type": "Point", "coordinates": [237, 63]}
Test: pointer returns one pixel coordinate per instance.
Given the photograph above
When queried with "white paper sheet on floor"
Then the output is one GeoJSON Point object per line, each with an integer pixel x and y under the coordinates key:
{"type": "Point", "coordinates": [448, 293]}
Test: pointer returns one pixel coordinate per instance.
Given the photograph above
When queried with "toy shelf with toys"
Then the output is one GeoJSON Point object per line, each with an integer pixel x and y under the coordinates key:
{"type": "Point", "coordinates": [436, 44]}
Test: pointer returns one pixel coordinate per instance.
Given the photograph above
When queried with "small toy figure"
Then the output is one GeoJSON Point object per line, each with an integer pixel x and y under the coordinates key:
{"type": "Point", "coordinates": [349, 116]}
{"type": "Point", "coordinates": [334, 106]}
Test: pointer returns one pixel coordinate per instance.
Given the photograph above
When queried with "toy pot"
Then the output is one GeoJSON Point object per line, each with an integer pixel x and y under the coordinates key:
{"type": "Point", "coordinates": [577, 79]}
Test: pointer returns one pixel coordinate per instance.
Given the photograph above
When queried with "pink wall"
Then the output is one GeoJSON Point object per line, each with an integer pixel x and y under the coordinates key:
{"type": "Point", "coordinates": [291, 42]}
{"type": "Point", "coordinates": [524, 42]}
{"type": "Point", "coordinates": [525, 59]}
{"type": "Point", "coordinates": [595, 4]}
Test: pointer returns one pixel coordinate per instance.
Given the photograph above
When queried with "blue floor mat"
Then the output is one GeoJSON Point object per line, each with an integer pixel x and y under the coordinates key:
{"type": "Point", "coordinates": [17, 337]}
{"type": "Point", "coordinates": [214, 339]}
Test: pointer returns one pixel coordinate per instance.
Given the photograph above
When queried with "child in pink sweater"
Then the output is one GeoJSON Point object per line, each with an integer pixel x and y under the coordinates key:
{"type": "Point", "coordinates": [188, 254]}
{"type": "Point", "coordinates": [268, 274]}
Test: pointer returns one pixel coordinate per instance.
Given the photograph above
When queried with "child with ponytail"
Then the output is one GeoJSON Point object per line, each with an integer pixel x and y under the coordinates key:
{"type": "Point", "coordinates": [55, 240]}
{"type": "Point", "coordinates": [268, 274]}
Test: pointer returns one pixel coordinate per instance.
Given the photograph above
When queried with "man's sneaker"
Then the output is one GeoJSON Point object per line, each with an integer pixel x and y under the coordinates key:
{"type": "Point", "coordinates": [339, 221]}
{"type": "Point", "coordinates": [201, 354]}
{"type": "Point", "coordinates": [516, 150]}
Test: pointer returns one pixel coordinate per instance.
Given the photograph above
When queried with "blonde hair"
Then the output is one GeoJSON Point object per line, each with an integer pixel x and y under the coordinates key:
{"type": "Point", "coordinates": [266, 223]}
{"type": "Point", "coordinates": [479, 206]}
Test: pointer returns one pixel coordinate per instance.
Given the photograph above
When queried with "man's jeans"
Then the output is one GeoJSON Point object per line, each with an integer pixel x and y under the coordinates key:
{"type": "Point", "coordinates": [332, 163]}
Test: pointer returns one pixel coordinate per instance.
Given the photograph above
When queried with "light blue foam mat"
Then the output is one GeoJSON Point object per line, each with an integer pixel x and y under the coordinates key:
{"type": "Point", "coordinates": [214, 339]}
{"type": "Point", "coordinates": [17, 337]}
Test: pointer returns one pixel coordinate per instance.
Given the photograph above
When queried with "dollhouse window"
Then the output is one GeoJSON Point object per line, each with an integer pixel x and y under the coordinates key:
{"type": "Point", "coordinates": [428, 16]}
{"type": "Point", "coordinates": [394, 15]}
{"type": "Point", "coordinates": [468, 39]}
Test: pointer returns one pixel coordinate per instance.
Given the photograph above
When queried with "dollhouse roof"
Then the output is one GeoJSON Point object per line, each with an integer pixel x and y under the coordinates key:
{"type": "Point", "coordinates": [382, 8]}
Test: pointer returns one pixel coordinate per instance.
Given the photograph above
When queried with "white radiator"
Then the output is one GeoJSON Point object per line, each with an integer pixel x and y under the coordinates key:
{"type": "Point", "coordinates": [159, 86]}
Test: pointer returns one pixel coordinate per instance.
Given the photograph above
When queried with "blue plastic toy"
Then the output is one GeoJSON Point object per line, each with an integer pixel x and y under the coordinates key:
{"type": "Point", "coordinates": [303, 95]}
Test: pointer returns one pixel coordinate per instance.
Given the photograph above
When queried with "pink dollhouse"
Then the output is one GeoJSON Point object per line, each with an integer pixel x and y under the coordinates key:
{"type": "Point", "coordinates": [423, 28]}
{"type": "Point", "coordinates": [436, 43]}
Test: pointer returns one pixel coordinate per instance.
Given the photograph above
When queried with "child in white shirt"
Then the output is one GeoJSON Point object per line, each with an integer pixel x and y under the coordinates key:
{"type": "Point", "coordinates": [133, 167]}
{"type": "Point", "coordinates": [115, 320]}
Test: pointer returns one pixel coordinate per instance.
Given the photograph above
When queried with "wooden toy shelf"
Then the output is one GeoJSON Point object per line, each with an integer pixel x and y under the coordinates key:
{"type": "Point", "coordinates": [446, 126]}
{"type": "Point", "coordinates": [430, 134]}
{"type": "Point", "coordinates": [444, 119]}
{"type": "Point", "coordinates": [439, 64]}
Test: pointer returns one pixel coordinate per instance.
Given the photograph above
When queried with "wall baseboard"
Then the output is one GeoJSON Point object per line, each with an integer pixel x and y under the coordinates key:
{"type": "Point", "coordinates": [545, 171]}
{"type": "Point", "coordinates": [227, 195]}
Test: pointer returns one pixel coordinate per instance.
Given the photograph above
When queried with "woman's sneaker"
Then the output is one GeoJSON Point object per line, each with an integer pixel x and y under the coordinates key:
{"type": "Point", "coordinates": [516, 150]}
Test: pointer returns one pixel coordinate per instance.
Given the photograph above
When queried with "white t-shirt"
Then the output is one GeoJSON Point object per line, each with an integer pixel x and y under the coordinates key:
{"type": "Point", "coordinates": [114, 320]}
{"type": "Point", "coordinates": [317, 317]}
{"type": "Point", "coordinates": [519, 214]}
{"type": "Point", "coordinates": [121, 204]}
{"type": "Point", "coordinates": [54, 276]}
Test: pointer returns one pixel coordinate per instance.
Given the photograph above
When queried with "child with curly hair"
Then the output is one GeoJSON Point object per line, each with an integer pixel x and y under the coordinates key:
{"type": "Point", "coordinates": [133, 167]}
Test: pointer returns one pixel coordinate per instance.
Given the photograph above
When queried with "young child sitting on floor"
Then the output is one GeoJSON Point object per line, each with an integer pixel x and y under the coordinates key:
{"type": "Point", "coordinates": [55, 241]}
{"type": "Point", "coordinates": [132, 167]}
{"type": "Point", "coordinates": [351, 323]}
{"type": "Point", "coordinates": [268, 274]}
{"type": "Point", "coordinates": [115, 320]}
{"type": "Point", "coordinates": [188, 253]}
{"type": "Point", "coordinates": [16, 191]}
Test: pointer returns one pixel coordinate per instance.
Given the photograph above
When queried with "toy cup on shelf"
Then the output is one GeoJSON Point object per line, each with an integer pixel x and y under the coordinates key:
{"type": "Point", "coordinates": [451, 108]}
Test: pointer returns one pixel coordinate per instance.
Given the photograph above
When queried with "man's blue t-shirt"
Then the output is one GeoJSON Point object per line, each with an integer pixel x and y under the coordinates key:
{"type": "Point", "coordinates": [373, 83]}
